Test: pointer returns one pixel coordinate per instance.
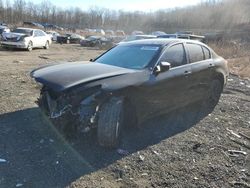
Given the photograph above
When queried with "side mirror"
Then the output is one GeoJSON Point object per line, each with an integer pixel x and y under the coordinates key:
{"type": "Point", "coordinates": [162, 67]}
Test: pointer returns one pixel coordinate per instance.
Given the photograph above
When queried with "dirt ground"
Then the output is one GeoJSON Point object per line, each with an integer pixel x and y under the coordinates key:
{"type": "Point", "coordinates": [183, 149]}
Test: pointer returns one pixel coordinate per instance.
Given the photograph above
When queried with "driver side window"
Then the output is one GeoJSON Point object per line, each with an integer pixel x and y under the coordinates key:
{"type": "Point", "coordinates": [175, 55]}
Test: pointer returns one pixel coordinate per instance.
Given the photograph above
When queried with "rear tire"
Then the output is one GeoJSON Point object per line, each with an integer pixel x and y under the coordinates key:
{"type": "Point", "coordinates": [110, 123]}
{"type": "Point", "coordinates": [30, 46]}
{"type": "Point", "coordinates": [99, 45]}
{"type": "Point", "coordinates": [214, 93]}
{"type": "Point", "coordinates": [46, 45]}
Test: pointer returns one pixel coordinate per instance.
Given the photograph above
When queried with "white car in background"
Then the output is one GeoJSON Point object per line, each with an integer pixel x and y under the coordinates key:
{"type": "Point", "coordinates": [53, 35]}
{"type": "Point", "coordinates": [26, 38]}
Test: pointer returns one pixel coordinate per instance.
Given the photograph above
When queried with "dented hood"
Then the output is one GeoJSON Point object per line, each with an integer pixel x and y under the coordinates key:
{"type": "Point", "coordinates": [63, 76]}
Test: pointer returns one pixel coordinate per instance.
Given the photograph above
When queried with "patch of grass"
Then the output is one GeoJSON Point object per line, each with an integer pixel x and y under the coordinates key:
{"type": "Point", "coordinates": [237, 55]}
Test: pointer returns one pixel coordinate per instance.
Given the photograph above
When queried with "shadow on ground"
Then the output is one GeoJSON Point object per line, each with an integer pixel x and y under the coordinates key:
{"type": "Point", "coordinates": [37, 156]}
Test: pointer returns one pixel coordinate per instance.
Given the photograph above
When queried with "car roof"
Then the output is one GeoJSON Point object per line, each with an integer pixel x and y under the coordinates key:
{"type": "Point", "coordinates": [27, 28]}
{"type": "Point", "coordinates": [159, 41]}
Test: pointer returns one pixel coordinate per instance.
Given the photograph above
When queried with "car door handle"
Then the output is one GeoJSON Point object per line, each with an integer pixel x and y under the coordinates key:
{"type": "Point", "coordinates": [186, 73]}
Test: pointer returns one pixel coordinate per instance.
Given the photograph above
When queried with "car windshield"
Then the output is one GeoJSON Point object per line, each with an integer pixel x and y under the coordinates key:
{"type": "Point", "coordinates": [132, 57]}
{"type": "Point", "coordinates": [75, 36]}
{"type": "Point", "coordinates": [23, 31]}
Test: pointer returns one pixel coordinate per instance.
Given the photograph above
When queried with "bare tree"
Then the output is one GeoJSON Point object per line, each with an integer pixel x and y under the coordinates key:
{"type": "Point", "coordinates": [207, 15]}
{"type": "Point", "coordinates": [19, 10]}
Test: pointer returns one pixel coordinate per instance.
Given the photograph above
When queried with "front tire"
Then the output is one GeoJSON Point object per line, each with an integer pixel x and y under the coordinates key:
{"type": "Point", "coordinates": [30, 46]}
{"type": "Point", "coordinates": [110, 123]}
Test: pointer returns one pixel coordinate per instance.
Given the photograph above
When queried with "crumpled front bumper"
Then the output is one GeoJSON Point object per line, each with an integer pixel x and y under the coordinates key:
{"type": "Point", "coordinates": [14, 44]}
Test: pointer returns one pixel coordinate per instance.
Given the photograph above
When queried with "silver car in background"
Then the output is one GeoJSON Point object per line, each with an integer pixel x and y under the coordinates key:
{"type": "Point", "coordinates": [26, 38]}
{"type": "Point", "coordinates": [3, 29]}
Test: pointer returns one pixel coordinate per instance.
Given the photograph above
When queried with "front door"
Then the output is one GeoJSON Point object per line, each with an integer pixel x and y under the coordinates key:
{"type": "Point", "coordinates": [166, 91]}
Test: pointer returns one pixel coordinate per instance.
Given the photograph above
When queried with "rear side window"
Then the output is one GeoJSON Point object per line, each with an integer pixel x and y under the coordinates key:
{"type": "Point", "coordinates": [195, 52]}
{"type": "Point", "coordinates": [206, 51]}
{"type": "Point", "coordinates": [36, 33]}
{"type": "Point", "coordinates": [175, 55]}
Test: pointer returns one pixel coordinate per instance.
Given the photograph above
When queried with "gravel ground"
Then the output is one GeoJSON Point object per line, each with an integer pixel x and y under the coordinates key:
{"type": "Point", "coordinates": [182, 149]}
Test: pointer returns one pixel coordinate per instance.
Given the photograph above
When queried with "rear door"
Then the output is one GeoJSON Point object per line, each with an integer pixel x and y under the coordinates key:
{"type": "Point", "coordinates": [42, 38]}
{"type": "Point", "coordinates": [36, 39]}
{"type": "Point", "coordinates": [199, 57]}
{"type": "Point", "coordinates": [39, 38]}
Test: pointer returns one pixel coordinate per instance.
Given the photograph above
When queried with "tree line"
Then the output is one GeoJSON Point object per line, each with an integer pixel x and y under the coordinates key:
{"type": "Point", "coordinates": [207, 15]}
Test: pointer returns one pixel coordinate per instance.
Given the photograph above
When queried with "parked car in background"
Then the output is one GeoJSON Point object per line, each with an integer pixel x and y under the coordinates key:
{"type": "Point", "coordinates": [191, 37]}
{"type": "Point", "coordinates": [97, 41]}
{"type": "Point", "coordinates": [129, 84]}
{"type": "Point", "coordinates": [214, 36]}
{"type": "Point", "coordinates": [33, 25]}
{"type": "Point", "coordinates": [138, 37]}
{"type": "Point", "coordinates": [69, 38]}
{"type": "Point", "coordinates": [99, 32]}
{"type": "Point", "coordinates": [53, 35]}
{"type": "Point", "coordinates": [168, 36]}
{"type": "Point", "coordinates": [3, 24]}
{"type": "Point", "coordinates": [59, 28]}
{"type": "Point", "coordinates": [26, 38]}
{"type": "Point", "coordinates": [3, 29]}
{"type": "Point", "coordinates": [109, 33]}
{"type": "Point", "coordinates": [52, 27]}
{"type": "Point", "coordinates": [137, 33]}
{"type": "Point", "coordinates": [63, 39]}
{"type": "Point", "coordinates": [158, 33]}
{"type": "Point", "coordinates": [119, 36]}
{"type": "Point", "coordinates": [183, 36]}
{"type": "Point", "coordinates": [120, 33]}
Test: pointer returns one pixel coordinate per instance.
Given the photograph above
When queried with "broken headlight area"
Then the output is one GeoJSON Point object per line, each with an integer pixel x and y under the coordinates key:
{"type": "Point", "coordinates": [74, 108]}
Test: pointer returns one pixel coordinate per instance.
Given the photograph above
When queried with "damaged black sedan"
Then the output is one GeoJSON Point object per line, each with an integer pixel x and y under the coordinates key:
{"type": "Point", "coordinates": [128, 84]}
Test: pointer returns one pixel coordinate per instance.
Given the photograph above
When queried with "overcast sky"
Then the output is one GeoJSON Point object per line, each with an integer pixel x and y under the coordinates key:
{"type": "Point", "coordinates": [128, 5]}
